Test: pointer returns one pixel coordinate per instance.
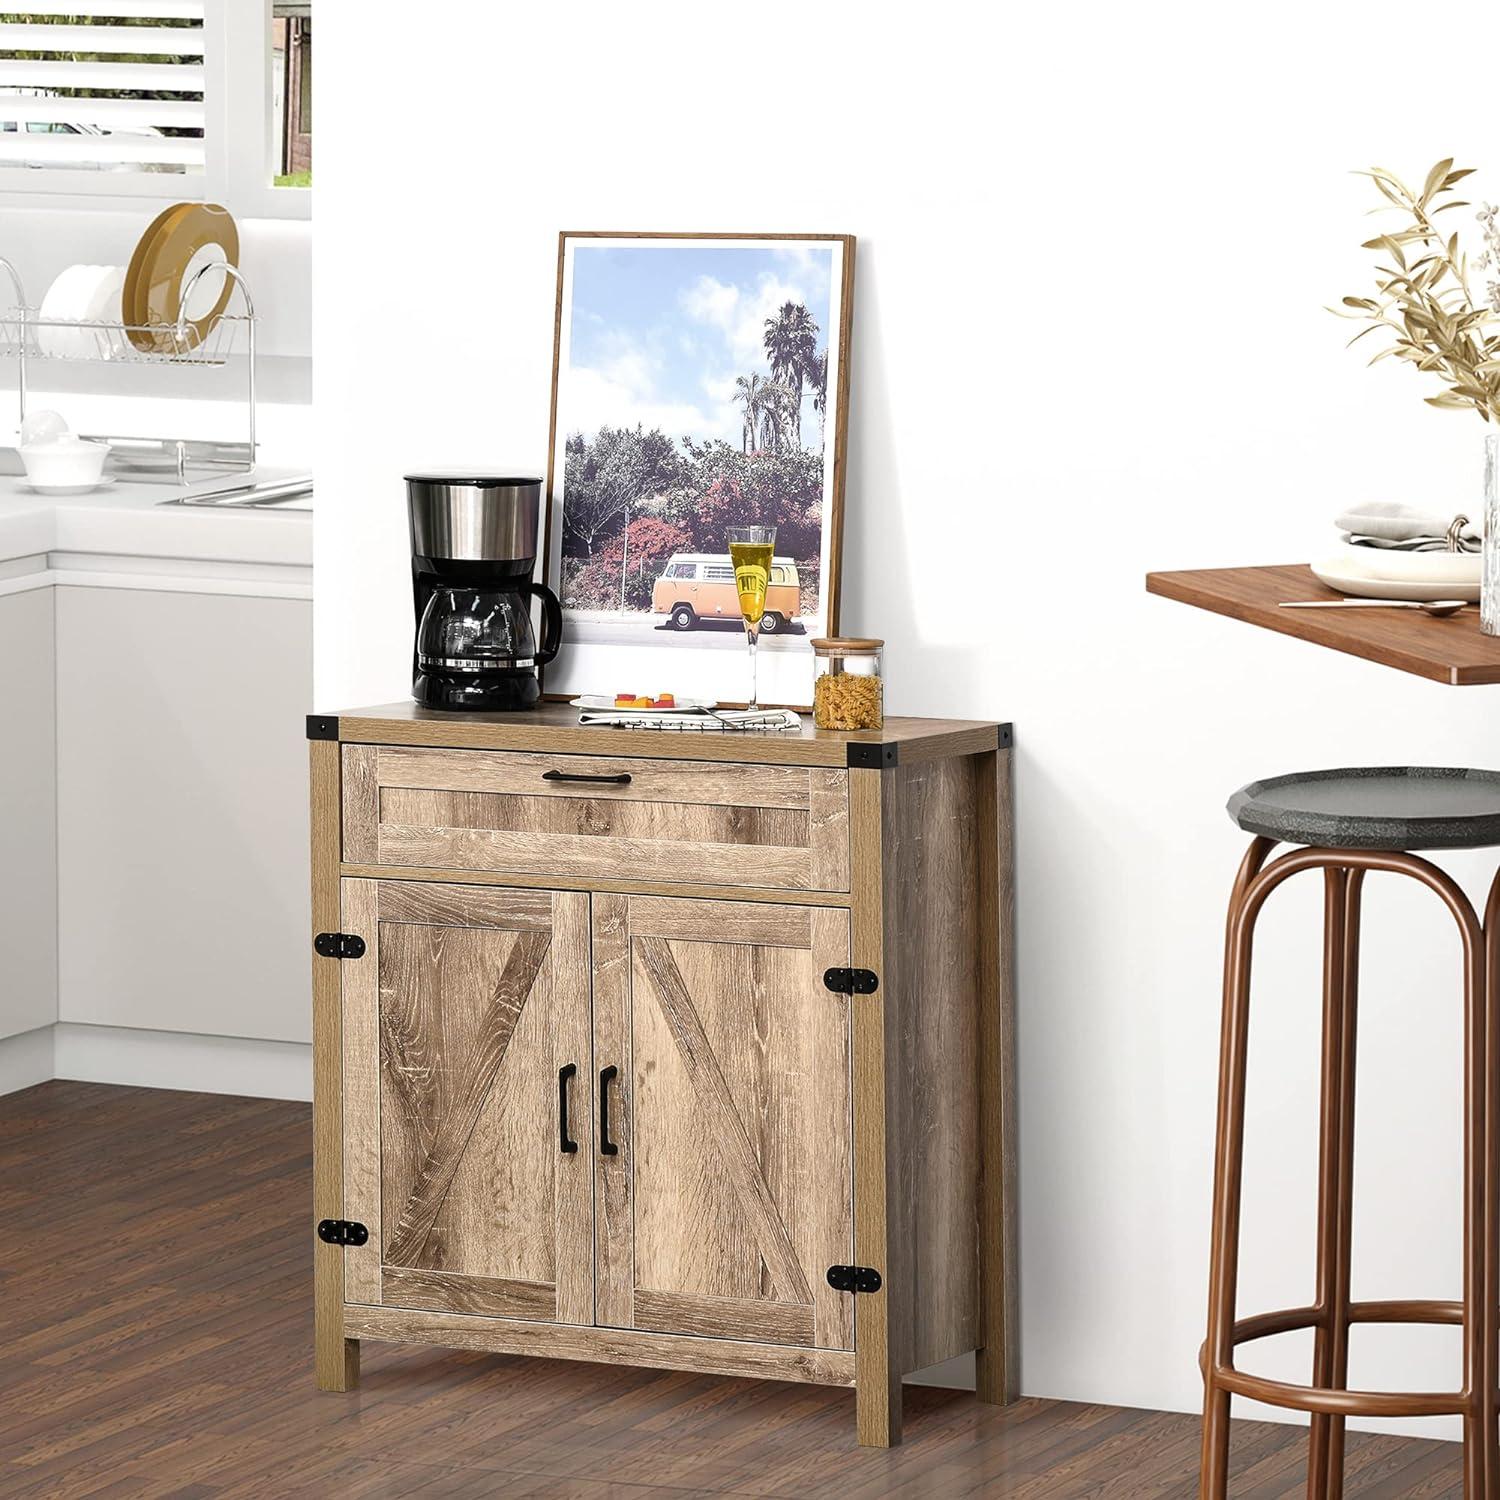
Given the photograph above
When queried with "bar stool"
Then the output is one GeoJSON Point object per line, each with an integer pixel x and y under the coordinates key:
{"type": "Point", "coordinates": [1351, 822]}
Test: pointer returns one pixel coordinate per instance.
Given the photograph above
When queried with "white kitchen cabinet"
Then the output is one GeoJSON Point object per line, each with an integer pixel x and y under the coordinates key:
{"type": "Point", "coordinates": [173, 752]}
{"type": "Point", "coordinates": [28, 811]}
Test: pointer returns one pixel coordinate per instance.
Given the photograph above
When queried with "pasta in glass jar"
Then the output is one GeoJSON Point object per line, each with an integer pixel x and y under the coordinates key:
{"type": "Point", "coordinates": [848, 692]}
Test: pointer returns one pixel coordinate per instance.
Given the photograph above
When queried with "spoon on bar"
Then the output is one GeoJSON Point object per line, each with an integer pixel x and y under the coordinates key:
{"type": "Point", "coordinates": [1439, 608]}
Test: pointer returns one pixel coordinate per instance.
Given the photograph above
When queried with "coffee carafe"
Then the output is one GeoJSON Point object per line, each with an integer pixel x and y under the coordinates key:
{"type": "Point", "coordinates": [473, 551]}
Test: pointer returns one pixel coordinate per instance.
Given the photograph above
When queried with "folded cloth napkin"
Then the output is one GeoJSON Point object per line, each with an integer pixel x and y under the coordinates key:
{"type": "Point", "coordinates": [1403, 528]}
{"type": "Point", "coordinates": [726, 719]}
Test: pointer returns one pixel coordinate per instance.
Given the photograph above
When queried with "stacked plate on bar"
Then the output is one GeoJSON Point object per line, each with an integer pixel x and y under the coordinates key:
{"type": "Point", "coordinates": [1378, 573]}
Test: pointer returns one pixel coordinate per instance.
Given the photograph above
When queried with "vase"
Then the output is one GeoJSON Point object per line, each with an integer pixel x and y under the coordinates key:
{"type": "Point", "coordinates": [1489, 581]}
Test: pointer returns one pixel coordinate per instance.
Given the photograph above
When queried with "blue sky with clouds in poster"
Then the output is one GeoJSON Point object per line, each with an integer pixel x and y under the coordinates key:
{"type": "Point", "coordinates": [659, 332]}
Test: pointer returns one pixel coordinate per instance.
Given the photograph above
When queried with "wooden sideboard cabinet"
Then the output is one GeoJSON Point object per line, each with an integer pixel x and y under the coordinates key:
{"type": "Point", "coordinates": [685, 1050]}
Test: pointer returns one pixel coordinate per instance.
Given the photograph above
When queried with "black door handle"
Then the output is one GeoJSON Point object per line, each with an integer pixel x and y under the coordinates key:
{"type": "Point", "coordinates": [606, 1146]}
{"type": "Point", "coordinates": [623, 779]}
{"type": "Point", "coordinates": [564, 1143]}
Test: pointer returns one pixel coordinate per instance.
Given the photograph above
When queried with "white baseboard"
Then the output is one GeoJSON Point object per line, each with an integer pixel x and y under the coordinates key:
{"type": "Point", "coordinates": [26, 1059]}
{"type": "Point", "coordinates": [182, 1060]}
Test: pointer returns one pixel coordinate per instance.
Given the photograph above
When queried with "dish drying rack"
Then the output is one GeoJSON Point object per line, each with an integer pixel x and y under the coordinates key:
{"type": "Point", "coordinates": [27, 337]}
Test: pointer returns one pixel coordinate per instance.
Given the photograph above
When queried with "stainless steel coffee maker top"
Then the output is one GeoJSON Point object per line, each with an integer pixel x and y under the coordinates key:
{"type": "Point", "coordinates": [471, 517]}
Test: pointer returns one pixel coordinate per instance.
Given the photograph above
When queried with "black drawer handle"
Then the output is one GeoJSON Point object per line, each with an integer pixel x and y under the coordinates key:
{"type": "Point", "coordinates": [623, 779]}
{"type": "Point", "coordinates": [565, 1143]}
{"type": "Point", "coordinates": [606, 1146]}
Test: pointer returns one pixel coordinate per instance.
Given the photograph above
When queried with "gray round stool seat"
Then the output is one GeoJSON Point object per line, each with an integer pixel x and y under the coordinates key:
{"type": "Point", "coordinates": [1377, 807]}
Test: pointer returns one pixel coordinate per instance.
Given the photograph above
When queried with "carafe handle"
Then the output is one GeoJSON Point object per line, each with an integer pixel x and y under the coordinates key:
{"type": "Point", "coordinates": [551, 622]}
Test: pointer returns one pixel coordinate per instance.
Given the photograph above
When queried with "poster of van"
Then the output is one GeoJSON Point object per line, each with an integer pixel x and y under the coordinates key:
{"type": "Point", "coordinates": [700, 383]}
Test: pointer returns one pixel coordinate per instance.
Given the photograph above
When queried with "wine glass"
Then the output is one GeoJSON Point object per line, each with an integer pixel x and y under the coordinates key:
{"type": "Point", "coordinates": [750, 550]}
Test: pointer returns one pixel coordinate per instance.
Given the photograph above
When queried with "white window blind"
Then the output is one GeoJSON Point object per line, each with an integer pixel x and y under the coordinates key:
{"type": "Point", "coordinates": [102, 86]}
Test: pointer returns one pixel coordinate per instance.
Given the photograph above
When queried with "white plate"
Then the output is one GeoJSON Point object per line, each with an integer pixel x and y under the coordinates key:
{"type": "Point", "coordinates": [67, 300]}
{"type": "Point", "coordinates": [104, 307]}
{"type": "Point", "coordinates": [596, 703]}
{"type": "Point", "coordinates": [64, 489]}
{"type": "Point", "coordinates": [1378, 573]}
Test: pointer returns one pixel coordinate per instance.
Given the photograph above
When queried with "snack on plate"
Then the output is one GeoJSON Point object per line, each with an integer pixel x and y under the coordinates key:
{"type": "Point", "coordinates": [634, 700]}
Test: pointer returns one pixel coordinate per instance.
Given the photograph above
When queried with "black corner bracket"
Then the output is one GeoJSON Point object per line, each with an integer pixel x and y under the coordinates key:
{"type": "Point", "coordinates": [1007, 736]}
{"type": "Point", "coordinates": [322, 727]}
{"type": "Point", "coordinates": [864, 756]}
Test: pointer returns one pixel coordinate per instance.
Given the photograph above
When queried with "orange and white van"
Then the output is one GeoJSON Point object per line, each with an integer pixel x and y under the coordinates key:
{"type": "Point", "coordinates": [700, 586]}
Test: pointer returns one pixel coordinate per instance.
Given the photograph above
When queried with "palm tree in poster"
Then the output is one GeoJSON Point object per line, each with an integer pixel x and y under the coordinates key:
{"type": "Point", "coordinates": [753, 393]}
{"type": "Point", "coordinates": [791, 342]}
{"type": "Point", "coordinates": [779, 412]}
{"type": "Point", "coordinates": [819, 382]}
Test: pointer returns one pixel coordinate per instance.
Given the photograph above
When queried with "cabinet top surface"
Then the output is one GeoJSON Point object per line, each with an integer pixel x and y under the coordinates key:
{"type": "Point", "coordinates": [555, 727]}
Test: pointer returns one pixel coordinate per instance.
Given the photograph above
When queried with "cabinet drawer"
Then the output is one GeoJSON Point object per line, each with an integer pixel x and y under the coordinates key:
{"type": "Point", "coordinates": [705, 823]}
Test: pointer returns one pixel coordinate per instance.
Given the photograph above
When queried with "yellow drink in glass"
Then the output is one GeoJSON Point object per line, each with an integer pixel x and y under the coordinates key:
{"type": "Point", "coordinates": [750, 550]}
{"type": "Point", "coordinates": [752, 572]}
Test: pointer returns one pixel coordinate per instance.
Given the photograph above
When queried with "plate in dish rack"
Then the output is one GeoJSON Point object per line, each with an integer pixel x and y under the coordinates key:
{"type": "Point", "coordinates": [1378, 573]}
{"type": "Point", "coordinates": [597, 703]}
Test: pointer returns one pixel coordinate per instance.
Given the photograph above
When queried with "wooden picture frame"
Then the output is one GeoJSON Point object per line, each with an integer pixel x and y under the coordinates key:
{"type": "Point", "coordinates": [607, 648]}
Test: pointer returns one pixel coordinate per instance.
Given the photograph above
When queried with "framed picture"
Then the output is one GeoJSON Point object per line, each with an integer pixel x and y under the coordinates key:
{"type": "Point", "coordinates": [699, 382]}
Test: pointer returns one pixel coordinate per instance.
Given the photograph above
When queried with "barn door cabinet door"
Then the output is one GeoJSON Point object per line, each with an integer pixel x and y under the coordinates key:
{"type": "Point", "coordinates": [719, 1158]}
{"type": "Point", "coordinates": [466, 1060]}
{"type": "Point", "coordinates": [724, 1188]}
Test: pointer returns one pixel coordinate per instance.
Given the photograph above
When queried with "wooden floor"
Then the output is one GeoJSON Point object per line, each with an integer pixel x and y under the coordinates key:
{"type": "Point", "coordinates": [155, 1324]}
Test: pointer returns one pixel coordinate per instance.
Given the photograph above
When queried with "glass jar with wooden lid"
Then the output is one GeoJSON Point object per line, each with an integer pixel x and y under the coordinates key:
{"type": "Point", "coordinates": [847, 688]}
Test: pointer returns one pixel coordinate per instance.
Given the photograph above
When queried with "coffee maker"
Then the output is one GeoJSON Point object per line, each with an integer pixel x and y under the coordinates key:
{"type": "Point", "coordinates": [473, 549]}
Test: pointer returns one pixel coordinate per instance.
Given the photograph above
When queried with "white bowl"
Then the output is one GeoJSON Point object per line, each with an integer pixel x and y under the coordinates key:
{"type": "Point", "coordinates": [65, 461]}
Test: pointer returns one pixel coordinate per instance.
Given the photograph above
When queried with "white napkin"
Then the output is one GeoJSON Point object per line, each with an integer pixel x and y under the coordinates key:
{"type": "Point", "coordinates": [1403, 528]}
{"type": "Point", "coordinates": [728, 720]}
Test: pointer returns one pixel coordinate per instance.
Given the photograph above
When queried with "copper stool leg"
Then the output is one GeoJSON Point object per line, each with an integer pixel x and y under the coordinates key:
{"type": "Point", "coordinates": [1329, 1400]}
{"type": "Point", "coordinates": [1223, 1275]}
{"type": "Point", "coordinates": [1479, 1311]}
{"type": "Point", "coordinates": [1490, 1390]}
{"type": "Point", "coordinates": [1342, 887]}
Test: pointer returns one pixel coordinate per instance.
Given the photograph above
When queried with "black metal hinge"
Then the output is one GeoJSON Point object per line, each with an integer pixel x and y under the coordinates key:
{"type": "Point", "coordinates": [343, 1232]}
{"type": "Point", "coordinates": [339, 945]}
{"type": "Point", "coordinates": [854, 1278]}
{"type": "Point", "coordinates": [850, 981]}
{"type": "Point", "coordinates": [322, 727]}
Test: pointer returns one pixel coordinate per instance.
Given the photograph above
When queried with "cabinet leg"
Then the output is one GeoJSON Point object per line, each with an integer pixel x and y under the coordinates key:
{"type": "Point", "coordinates": [997, 1363]}
{"type": "Point", "coordinates": [994, 1377]}
{"type": "Point", "coordinates": [335, 1358]}
{"type": "Point", "coordinates": [337, 1361]}
{"type": "Point", "coordinates": [877, 1404]}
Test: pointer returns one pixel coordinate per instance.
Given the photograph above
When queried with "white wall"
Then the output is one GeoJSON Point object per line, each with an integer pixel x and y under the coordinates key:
{"type": "Point", "coordinates": [1095, 247]}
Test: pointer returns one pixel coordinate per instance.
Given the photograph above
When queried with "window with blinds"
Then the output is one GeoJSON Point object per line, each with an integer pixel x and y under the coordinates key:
{"type": "Point", "coordinates": [102, 86]}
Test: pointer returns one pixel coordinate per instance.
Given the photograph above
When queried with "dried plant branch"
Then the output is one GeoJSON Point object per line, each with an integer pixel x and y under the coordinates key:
{"type": "Point", "coordinates": [1425, 299]}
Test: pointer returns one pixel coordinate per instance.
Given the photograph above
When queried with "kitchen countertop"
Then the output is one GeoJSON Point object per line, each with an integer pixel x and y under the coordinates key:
{"type": "Point", "coordinates": [127, 519]}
